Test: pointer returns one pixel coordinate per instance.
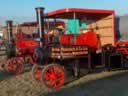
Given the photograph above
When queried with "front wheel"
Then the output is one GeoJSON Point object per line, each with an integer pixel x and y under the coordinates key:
{"type": "Point", "coordinates": [53, 76]}
{"type": "Point", "coordinates": [37, 72]}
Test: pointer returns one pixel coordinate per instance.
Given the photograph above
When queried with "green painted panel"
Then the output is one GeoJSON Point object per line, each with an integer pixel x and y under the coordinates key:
{"type": "Point", "coordinates": [73, 26]}
{"type": "Point", "coordinates": [84, 25]}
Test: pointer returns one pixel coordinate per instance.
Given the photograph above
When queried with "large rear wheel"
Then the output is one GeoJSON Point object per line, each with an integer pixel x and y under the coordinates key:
{"type": "Point", "coordinates": [15, 66]}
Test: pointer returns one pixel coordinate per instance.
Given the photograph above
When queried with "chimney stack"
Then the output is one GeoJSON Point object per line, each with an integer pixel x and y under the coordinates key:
{"type": "Point", "coordinates": [40, 21]}
{"type": "Point", "coordinates": [9, 29]}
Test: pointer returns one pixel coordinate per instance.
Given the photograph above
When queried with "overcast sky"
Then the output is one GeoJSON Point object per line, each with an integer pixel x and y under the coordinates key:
{"type": "Point", "coordinates": [24, 10]}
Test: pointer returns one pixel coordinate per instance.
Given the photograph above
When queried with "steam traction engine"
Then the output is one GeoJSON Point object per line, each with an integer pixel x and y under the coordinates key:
{"type": "Point", "coordinates": [17, 49]}
{"type": "Point", "coordinates": [73, 52]}
{"type": "Point", "coordinates": [20, 47]}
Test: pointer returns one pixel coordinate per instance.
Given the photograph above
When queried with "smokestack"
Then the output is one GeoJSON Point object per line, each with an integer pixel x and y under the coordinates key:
{"type": "Point", "coordinates": [9, 29]}
{"type": "Point", "coordinates": [40, 21]}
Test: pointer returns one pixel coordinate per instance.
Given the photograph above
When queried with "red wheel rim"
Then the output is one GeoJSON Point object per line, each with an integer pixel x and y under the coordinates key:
{"type": "Point", "coordinates": [54, 77]}
{"type": "Point", "coordinates": [15, 66]}
{"type": "Point", "coordinates": [38, 73]}
{"type": "Point", "coordinates": [9, 66]}
{"type": "Point", "coordinates": [19, 66]}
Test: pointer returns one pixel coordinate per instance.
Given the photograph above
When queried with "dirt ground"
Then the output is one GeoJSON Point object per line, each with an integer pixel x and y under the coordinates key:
{"type": "Point", "coordinates": [98, 84]}
{"type": "Point", "coordinates": [112, 83]}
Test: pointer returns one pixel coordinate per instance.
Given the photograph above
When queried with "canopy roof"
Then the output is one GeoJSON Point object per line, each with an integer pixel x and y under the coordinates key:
{"type": "Point", "coordinates": [67, 13]}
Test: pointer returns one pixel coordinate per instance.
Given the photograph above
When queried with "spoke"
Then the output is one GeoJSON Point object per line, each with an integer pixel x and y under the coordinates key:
{"type": "Point", "coordinates": [60, 74]}
{"type": "Point", "coordinates": [14, 66]}
{"type": "Point", "coordinates": [55, 85]}
{"type": "Point", "coordinates": [51, 70]}
{"type": "Point", "coordinates": [47, 73]}
{"type": "Point", "coordinates": [18, 68]}
{"type": "Point", "coordinates": [57, 69]}
{"type": "Point", "coordinates": [10, 62]}
{"type": "Point", "coordinates": [10, 68]}
{"type": "Point", "coordinates": [38, 73]}
{"type": "Point", "coordinates": [37, 76]}
{"type": "Point", "coordinates": [58, 82]}
{"type": "Point", "coordinates": [59, 79]}
{"type": "Point", "coordinates": [47, 76]}
{"type": "Point", "coordinates": [15, 61]}
{"type": "Point", "coordinates": [50, 83]}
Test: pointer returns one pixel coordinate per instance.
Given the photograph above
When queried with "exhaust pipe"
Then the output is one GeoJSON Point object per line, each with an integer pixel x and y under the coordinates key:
{"type": "Point", "coordinates": [40, 21]}
{"type": "Point", "coordinates": [9, 29]}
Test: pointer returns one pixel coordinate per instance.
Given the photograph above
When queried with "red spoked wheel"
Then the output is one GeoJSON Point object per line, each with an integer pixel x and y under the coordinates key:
{"type": "Point", "coordinates": [15, 65]}
{"type": "Point", "coordinates": [37, 72]}
{"type": "Point", "coordinates": [53, 76]}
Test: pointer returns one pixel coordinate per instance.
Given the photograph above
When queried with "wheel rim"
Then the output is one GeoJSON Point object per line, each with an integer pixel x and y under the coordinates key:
{"type": "Point", "coordinates": [9, 66]}
{"type": "Point", "coordinates": [15, 66]}
{"type": "Point", "coordinates": [19, 66]}
{"type": "Point", "coordinates": [37, 72]}
{"type": "Point", "coordinates": [54, 77]}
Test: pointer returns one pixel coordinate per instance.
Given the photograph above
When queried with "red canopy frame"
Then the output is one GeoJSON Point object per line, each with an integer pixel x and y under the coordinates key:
{"type": "Point", "coordinates": [67, 13]}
